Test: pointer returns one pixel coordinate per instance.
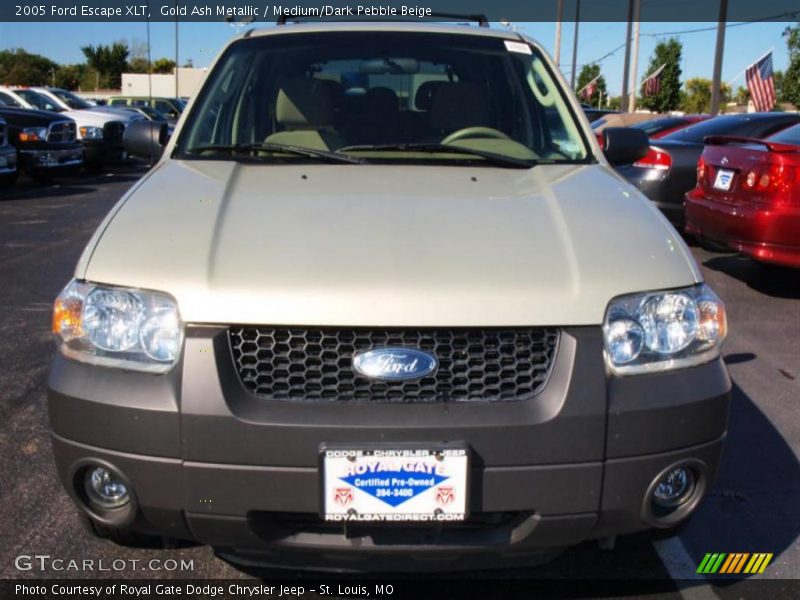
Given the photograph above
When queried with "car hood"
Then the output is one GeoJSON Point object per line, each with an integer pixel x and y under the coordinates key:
{"type": "Point", "coordinates": [96, 118]}
{"type": "Point", "coordinates": [387, 245]}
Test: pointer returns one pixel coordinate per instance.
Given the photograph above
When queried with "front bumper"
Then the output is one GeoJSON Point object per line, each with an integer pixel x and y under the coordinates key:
{"type": "Point", "coordinates": [48, 159]}
{"type": "Point", "coordinates": [767, 233]}
{"type": "Point", "coordinates": [8, 160]}
{"type": "Point", "coordinates": [241, 474]}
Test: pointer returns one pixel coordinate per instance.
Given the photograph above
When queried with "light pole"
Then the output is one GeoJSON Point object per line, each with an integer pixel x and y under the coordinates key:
{"type": "Point", "coordinates": [626, 65]}
{"type": "Point", "coordinates": [716, 91]}
{"type": "Point", "coordinates": [177, 64]}
{"type": "Point", "coordinates": [557, 48]}
{"type": "Point", "coordinates": [575, 44]}
{"type": "Point", "coordinates": [635, 67]}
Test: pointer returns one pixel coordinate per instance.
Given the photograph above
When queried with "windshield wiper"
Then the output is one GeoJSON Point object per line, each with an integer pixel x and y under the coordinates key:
{"type": "Point", "coordinates": [234, 149]}
{"type": "Point", "coordinates": [431, 147]}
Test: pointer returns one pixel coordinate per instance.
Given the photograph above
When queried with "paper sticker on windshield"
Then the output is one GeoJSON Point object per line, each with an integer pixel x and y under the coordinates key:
{"type": "Point", "coordinates": [518, 47]}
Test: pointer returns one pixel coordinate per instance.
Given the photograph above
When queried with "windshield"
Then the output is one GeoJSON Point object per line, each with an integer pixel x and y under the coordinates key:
{"type": "Point", "coordinates": [70, 99]}
{"type": "Point", "coordinates": [37, 100]}
{"type": "Point", "coordinates": [385, 96]}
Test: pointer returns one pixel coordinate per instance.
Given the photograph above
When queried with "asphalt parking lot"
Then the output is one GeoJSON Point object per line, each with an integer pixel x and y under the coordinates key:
{"type": "Point", "coordinates": [754, 507]}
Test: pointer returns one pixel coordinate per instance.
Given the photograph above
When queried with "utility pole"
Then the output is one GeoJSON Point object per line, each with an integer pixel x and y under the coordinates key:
{"type": "Point", "coordinates": [716, 91]}
{"type": "Point", "coordinates": [575, 44]}
{"type": "Point", "coordinates": [635, 66]}
{"type": "Point", "coordinates": [557, 48]}
{"type": "Point", "coordinates": [626, 65]}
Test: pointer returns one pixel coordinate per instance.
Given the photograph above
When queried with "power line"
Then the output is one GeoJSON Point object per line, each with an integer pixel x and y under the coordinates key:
{"type": "Point", "coordinates": [689, 31]}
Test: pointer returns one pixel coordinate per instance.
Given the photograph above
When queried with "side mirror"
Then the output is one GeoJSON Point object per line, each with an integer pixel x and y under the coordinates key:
{"type": "Point", "coordinates": [146, 139]}
{"type": "Point", "coordinates": [624, 145]}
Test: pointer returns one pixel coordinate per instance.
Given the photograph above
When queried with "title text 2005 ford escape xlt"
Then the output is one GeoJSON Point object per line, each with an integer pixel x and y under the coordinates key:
{"type": "Point", "coordinates": [384, 304]}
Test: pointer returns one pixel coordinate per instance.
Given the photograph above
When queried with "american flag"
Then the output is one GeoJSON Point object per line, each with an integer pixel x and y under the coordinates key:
{"type": "Point", "coordinates": [761, 84]}
{"type": "Point", "coordinates": [652, 84]}
{"type": "Point", "coordinates": [589, 89]}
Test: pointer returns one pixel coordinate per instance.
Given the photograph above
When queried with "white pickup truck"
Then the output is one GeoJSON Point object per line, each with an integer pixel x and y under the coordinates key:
{"type": "Point", "coordinates": [100, 130]}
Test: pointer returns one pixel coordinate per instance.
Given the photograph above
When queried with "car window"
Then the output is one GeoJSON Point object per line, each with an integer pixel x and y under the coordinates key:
{"type": "Point", "coordinates": [337, 90]}
{"type": "Point", "coordinates": [9, 100]}
{"type": "Point", "coordinates": [70, 99]}
{"type": "Point", "coordinates": [118, 102]}
{"type": "Point", "coordinates": [38, 100]}
{"type": "Point", "coordinates": [787, 136]}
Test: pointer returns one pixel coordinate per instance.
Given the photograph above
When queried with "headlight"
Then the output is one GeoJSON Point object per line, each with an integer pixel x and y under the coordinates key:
{"type": "Point", "coordinates": [118, 327]}
{"type": "Point", "coordinates": [658, 331]}
{"type": "Point", "coordinates": [33, 134]}
{"type": "Point", "coordinates": [91, 133]}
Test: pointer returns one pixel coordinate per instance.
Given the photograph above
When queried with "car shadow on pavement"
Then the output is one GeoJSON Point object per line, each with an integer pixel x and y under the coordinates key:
{"type": "Point", "coordinates": [755, 504]}
{"type": "Point", "coordinates": [45, 191]}
{"type": "Point", "coordinates": [770, 280]}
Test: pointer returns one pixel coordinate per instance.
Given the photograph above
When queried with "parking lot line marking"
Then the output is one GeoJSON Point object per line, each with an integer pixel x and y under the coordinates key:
{"type": "Point", "coordinates": [679, 565]}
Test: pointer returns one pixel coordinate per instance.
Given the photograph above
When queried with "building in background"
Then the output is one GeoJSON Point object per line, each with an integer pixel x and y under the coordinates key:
{"type": "Point", "coordinates": [162, 84]}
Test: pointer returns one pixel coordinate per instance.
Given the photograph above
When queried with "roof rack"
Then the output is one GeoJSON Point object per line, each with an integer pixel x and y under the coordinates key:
{"type": "Point", "coordinates": [481, 20]}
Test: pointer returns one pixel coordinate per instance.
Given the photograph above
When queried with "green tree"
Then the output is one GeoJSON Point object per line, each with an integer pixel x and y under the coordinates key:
{"type": "Point", "coordinates": [742, 96]}
{"type": "Point", "coordinates": [668, 98]}
{"type": "Point", "coordinates": [790, 82]}
{"type": "Point", "coordinates": [697, 97]}
{"type": "Point", "coordinates": [615, 102]}
{"type": "Point", "coordinates": [18, 67]}
{"type": "Point", "coordinates": [110, 61]}
{"type": "Point", "coordinates": [589, 72]}
{"type": "Point", "coordinates": [70, 76]}
{"type": "Point", "coordinates": [163, 65]}
{"type": "Point", "coordinates": [137, 65]}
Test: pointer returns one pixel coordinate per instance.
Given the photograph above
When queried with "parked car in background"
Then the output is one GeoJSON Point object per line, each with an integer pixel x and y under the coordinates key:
{"type": "Point", "coordinates": [665, 124]}
{"type": "Point", "coordinates": [8, 157]}
{"type": "Point", "coordinates": [46, 142]}
{"type": "Point", "coordinates": [98, 129]}
{"type": "Point", "coordinates": [169, 107]}
{"type": "Point", "coordinates": [592, 114]}
{"type": "Point", "coordinates": [152, 115]}
{"type": "Point", "coordinates": [747, 196]}
{"type": "Point", "coordinates": [669, 169]}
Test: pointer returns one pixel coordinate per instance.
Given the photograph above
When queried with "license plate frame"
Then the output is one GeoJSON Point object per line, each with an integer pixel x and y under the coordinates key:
{"type": "Point", "coordinates": [723, 180]}
{"type": "Point", "coordinates": [447, 499]}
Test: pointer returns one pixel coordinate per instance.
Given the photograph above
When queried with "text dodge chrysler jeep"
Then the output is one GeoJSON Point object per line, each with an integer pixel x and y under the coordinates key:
{"type": "Point", "coordinates": [384, 304]}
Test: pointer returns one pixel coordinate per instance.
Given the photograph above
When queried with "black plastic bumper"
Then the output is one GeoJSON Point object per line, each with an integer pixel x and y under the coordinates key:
{"type": "Point", "coordinates": [575, 462]}
{"type": "Point", "coordinates": [51, 159]}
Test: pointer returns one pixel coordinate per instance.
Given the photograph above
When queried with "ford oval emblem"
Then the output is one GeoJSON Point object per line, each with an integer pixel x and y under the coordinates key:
{"type": "Point", "coordinates": [394, 364]}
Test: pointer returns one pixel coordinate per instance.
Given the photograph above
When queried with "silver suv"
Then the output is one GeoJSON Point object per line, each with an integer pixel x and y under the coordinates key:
{"type": "Point", "coordinates": [383, 304]}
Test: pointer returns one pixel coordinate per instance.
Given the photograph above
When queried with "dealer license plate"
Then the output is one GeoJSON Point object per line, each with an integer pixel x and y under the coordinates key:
{"type": "Point", "coordinates": [723, 180]}
{"type": "Point", "coordinates": [395, 484]}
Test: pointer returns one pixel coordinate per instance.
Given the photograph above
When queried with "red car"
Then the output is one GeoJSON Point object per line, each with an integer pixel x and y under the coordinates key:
{"type": "Point", "coordinates": [748, 196]}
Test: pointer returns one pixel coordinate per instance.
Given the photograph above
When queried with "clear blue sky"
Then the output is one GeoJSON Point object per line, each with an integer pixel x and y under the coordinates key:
{"type": "Point", "coordinates": [201, 41]}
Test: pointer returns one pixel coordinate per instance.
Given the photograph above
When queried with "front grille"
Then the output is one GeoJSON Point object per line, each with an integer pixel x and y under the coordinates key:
{"type": "Point", "coordinates": [61, 132]}
{"type": "Point", "coordinates": [316, 364]}
{"type": "Point", "coordinates": [3, 137]}
{"type": "Point", "coordinates": [113, 131]}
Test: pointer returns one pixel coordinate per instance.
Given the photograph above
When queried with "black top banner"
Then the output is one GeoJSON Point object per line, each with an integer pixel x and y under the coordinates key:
{"type": "Point", "coordinates": [269, 11]}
